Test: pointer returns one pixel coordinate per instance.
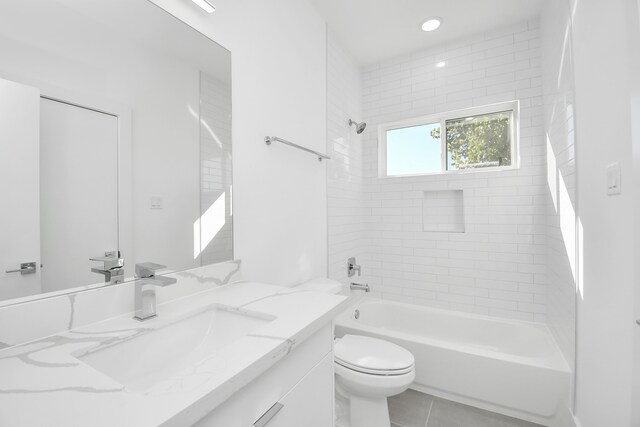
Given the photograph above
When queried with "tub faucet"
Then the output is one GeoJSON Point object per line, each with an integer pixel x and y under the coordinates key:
{"type": "Point", "coordinates": [145, 299]}
{"type": "Point", "coordinates": [112, 267]}
{"type": "Point", "coordinates": [352, 267]}
{"type": "Point", "coordinates": [358, 286]}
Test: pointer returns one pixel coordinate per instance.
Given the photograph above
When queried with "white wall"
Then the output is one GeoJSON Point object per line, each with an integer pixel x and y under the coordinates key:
{"type": "Point", "coordinates": [606, 47]}
{"type": "Point", "coordinates": [279, 88]}
{"type": "Point", "coordinates": [166, 158]}
{"type": "Point", "coordinates": [346, 226]}
{"type": "Point", "coordinates": [635, 397]}
{"type": "Point", "coordinates": [561, 259]}
{"type": "Point", "coordinates": [497, 267]}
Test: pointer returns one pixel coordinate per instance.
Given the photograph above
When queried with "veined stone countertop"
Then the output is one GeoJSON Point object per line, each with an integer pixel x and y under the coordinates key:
{"type": "Point", "coordinates": [42, 383]}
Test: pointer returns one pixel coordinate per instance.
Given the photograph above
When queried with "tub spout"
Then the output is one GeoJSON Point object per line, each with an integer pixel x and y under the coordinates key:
{"type": "Point", "coordinates": [358, 286]}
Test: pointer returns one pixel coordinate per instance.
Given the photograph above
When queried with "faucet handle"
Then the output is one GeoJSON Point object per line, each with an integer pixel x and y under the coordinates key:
{"type": "Point", "coordinates": [352, 267]}
{"type": "Point", "coordinates": [111, 259]}
{"type": "Point", "coordinates": [148, 269]}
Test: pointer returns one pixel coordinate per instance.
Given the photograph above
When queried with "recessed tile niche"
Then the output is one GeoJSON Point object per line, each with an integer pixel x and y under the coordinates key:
{"type": "Point", "coordinates": [443, 211]}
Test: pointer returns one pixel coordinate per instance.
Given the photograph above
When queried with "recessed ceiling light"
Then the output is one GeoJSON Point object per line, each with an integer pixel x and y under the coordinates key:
{"type": "Point", "coordinates": [205, 5]}
{"type": "Point", "coordinates": [441, 64]}
{"type": "Point", "coordinates": [431, 24]}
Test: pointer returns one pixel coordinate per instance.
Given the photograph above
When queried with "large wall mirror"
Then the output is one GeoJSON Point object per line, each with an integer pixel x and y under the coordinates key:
{"type": "Point", "coordinates": [115, 145]}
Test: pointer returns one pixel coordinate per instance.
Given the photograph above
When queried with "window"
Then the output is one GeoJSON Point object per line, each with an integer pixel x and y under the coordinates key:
{"type": "Point", "coordinates": [477, 138]}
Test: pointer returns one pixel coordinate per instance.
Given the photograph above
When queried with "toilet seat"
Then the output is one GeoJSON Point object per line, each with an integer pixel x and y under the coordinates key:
{"type": "Point", "coordinates": [372, 356]}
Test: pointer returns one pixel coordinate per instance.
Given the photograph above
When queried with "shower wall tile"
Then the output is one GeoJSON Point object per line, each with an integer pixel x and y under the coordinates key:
{"type": "Point", "coordinates": [345, 191]}
{"type": "Point", "coordinates": [498, 265]}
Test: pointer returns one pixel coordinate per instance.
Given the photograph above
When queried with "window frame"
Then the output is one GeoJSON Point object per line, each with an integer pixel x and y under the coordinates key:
{"type": "Point", "coordinates": [512, 106]}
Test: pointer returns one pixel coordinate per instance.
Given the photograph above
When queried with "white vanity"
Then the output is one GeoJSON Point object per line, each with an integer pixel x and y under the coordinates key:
{"type": "Point", "coordinates": [297, 391]}
{"type": "Point", "coordinates": [238, 354]}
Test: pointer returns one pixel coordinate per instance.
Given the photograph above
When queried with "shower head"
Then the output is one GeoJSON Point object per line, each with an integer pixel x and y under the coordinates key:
{"type": "Point", "coordinates": [359, 126]}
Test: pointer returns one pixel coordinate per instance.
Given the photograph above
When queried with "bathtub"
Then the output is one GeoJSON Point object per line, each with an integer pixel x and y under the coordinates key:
{"type": "Point", "coordinates": [506, 366]}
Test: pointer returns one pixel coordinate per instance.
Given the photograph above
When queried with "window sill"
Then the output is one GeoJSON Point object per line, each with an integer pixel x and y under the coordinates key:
{"type": "Point", "coordinates": [454, 172]}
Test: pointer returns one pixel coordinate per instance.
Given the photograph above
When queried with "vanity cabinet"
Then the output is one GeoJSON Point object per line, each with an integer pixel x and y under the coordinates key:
{"type": "Point", "coordinates": [297, 391]}
{"type": "Point", "coordinates": [309, 403]}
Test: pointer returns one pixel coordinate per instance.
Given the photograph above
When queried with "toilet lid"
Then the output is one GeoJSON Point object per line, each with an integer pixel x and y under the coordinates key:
{"type": "Point", "coordinates": [372, 356]}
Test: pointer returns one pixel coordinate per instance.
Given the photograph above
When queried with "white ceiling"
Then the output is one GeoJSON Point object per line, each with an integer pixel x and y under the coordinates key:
{"type": "Point", "coordinates": [376, 30]}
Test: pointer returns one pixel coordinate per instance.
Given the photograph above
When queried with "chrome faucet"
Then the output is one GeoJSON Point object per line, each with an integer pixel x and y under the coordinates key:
{"type": "Point", "coordinates": [359, 286]}
{"type": "Point", "coordinates": [352, 267]}
{"type": "Point", "coordinates": [113, 267]}
{"type": "Point", "coordinates": [145, 299]}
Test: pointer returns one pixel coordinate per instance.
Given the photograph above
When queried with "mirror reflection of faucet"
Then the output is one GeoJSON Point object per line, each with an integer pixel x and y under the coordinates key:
{"type": "Point", "coordinates": [145, 299]}
{"type": "Point", "coordinates": [112, 267]}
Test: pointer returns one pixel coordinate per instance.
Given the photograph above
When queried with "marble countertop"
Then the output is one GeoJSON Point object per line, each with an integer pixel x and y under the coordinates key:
{"type": "Point", "coordinates": [42, 383]}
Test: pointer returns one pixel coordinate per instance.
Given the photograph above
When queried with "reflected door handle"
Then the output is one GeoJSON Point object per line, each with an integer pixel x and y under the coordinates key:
{"type": "Point", "coordinates": [25, 268]}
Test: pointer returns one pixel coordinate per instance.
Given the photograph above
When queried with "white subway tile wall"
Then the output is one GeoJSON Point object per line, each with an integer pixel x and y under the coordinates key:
{"type": "Point", "coordinates": [345, 191]}
{"type": "Point", "coordinates": [497, 266]}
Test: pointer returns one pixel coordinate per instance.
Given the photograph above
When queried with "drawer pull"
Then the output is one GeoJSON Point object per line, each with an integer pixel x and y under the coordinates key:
{"type": "Point", "coordinates": [267, 416]}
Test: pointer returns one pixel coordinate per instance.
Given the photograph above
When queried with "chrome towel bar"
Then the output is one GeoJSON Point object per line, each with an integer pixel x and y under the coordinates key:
{"type": "Point", "coordinates": [269, 139]}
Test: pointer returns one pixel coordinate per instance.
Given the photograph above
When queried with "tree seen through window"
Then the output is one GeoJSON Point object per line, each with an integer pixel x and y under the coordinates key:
{"type": "Point", "coordinates": [478, 141]}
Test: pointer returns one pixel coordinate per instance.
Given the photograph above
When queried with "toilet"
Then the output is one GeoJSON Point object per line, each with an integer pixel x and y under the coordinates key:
{"type": "Point", "coordinates": [367, 370]}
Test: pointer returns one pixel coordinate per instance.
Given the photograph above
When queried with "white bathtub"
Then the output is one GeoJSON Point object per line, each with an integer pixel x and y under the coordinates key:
{"type": "Point", "coordinates": [505, 366]}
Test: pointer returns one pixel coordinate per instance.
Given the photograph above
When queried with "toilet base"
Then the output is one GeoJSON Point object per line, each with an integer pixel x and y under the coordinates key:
{"type": "Point", "coordinates": [357, 411]}
{"type": "Point", "coordinates": [368, 412]}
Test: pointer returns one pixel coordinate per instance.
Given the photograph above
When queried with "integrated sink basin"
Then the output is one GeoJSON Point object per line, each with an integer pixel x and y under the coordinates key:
{"type": "Point", "coordinates": [147, 355]}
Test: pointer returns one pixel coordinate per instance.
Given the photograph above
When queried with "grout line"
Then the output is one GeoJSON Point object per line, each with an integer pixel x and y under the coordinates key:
{"type": "Point", "coordinates": [433, 399]}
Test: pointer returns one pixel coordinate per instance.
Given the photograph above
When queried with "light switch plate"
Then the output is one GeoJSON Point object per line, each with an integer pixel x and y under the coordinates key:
{"type": "Point", "coordinates": [613, 179]}
{"type": "Point", "coordinates": [156, 203]}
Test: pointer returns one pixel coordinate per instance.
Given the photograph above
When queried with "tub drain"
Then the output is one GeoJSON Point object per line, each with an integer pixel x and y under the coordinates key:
{"type": "Point", "coordinates": [356, 314]}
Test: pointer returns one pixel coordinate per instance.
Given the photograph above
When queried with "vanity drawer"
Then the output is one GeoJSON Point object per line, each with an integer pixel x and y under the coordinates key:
{"type": "Point", "coordinates": [309, 403]}
{"type": "Point", "coordinates": [245, 407]}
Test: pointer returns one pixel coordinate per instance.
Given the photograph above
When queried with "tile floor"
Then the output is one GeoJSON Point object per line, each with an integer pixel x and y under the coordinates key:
{"type": "Point", "coordinates": [415, 409]}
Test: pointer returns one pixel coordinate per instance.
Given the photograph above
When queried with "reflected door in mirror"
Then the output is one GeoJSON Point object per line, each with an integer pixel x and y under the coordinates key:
{"type": "Point", "coordinates": [78, 192]}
